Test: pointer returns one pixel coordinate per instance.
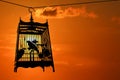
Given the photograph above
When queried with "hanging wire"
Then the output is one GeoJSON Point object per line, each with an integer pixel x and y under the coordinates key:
{"type": "Point", "coordinates": [15, 4]}
{"type": "Point", "coordinates": [87, 2]}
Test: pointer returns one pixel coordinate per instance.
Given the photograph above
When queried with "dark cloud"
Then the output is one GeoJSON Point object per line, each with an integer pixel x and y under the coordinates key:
{"type": "Point", "coordinates": [49, 12]}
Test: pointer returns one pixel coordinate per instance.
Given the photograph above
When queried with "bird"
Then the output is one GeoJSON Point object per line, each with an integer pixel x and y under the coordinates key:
{"type": "Point", "coordinates": [33, 45]}
{"type": "Point", "coordinates": [20, 53]}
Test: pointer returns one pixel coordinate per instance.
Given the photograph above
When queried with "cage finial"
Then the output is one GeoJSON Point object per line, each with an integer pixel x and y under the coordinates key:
{"type": "Point", "coordinates": [30, 11]}
{"type": "Point", "coordinates": [31, 18]}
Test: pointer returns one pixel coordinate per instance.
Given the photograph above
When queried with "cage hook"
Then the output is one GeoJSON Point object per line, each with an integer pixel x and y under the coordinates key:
{"type": "Point", "coordinates": [31, 9]}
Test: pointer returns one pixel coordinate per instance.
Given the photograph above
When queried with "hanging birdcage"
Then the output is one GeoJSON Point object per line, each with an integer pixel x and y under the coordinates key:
{"type": "Point", "coordinates": [33, 46]}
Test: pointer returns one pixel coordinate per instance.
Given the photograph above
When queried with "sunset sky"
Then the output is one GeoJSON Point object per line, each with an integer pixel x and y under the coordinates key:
{"type": "Point", "coordinates": [85, 40]}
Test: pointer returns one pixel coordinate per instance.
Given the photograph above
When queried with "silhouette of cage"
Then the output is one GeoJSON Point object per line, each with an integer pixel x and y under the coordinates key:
{"type": "Point", "coordinates": [33, 46]}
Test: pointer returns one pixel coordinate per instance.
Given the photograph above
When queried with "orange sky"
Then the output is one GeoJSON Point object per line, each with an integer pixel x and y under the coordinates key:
{"type": "Point", "coordinates": [84, 48]}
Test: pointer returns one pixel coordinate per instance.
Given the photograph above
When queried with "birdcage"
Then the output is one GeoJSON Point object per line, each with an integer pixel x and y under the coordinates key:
{"type": "Point", "coordinates": [33, 46]}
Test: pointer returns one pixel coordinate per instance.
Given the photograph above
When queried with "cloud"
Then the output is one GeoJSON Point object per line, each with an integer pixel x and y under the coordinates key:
{"type": "Point", "coordinates": [59, 12]}
{"type": "Point", "coordinates": [79, 64]}
{"type": "Point", "coordinates": [61, 62]}
{"type": "Point", "coordinates": [6, 47]}
{"type": "Point", "coordinates": [116, 19]}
